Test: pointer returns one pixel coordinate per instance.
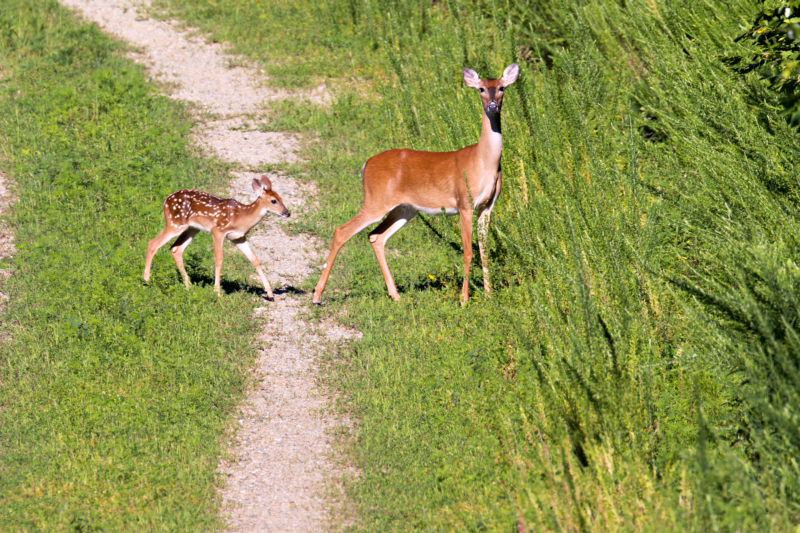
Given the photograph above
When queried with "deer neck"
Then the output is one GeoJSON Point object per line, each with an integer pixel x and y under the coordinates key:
{"type": "Point", "coordinates": [490, 145]}
{"type": "Point", "coordinates": [253, 213]}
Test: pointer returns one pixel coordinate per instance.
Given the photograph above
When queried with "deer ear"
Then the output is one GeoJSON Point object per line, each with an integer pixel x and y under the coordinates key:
{"type": "Point", "coordinates": [265, 181]}
{"type": "Point", "coordinates": [257, 187]}
{"type": "Point", "coordinates": [471, 78]}
{"type": "Point", "coordinates": [510, 74]}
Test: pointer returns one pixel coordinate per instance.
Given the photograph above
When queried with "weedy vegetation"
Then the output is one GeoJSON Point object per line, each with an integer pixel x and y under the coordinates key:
{"type": "Point", "coordinates": [114, 396]}
{"type": "Point", "coordinates": [637, 366]}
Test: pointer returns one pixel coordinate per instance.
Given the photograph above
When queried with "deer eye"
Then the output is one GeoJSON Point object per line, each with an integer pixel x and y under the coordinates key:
{"type": "Point", "coordinates": [274, 201]}
{"type": "Point", "coordinates": [482, 89]}
{"type": "Point", "coordinates": [501, 88]}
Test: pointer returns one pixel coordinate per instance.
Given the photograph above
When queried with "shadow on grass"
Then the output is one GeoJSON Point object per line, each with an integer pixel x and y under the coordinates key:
{"type": "Point", "coordinates": [233, 286]}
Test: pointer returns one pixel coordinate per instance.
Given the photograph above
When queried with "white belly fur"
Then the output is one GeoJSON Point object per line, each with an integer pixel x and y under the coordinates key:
{"type": "Point", "coordinates": [198, 226]}
{"type": "Point", "coordinates": [484, 197]}
{"type": "Point", "coordinates": [429, 211]}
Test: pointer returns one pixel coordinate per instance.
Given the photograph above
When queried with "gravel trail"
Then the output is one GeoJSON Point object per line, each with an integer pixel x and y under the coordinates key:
{"type": "Point", "coordinates": [6, 240]}
{"type": "Point", "coordinates": [280, 462]}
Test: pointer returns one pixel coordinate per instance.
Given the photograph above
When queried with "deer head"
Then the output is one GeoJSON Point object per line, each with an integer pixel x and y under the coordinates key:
{"type": "Point", "coordinates": [491, 89]}
{"type": "Point", "coordinates": [268, 198]}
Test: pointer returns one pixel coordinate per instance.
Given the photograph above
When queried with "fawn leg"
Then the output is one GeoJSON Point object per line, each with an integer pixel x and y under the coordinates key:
{"type": "Point", "coordinates": [483, 228]}
{"type": "Point", "coordinates": [484, 218]}
{"type": "Point", "coordinates": [155, 244]}
{"type": "Point", "coordinates": [177, 248]}
{"type": "Point", "coordinates": [218, 240]}
{"type": "Point", "coordinates": [242, 245]}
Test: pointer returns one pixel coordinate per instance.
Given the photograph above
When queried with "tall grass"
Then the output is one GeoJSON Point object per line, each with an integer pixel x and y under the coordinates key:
{"type": "Point", "coordinates": [636, 165]}
{"type": "Point", "coordinates": [637, 368]}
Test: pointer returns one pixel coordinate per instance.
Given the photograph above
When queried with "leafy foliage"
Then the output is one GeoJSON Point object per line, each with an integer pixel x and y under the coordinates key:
{"type": "Point", "coordinates": [775, 35]}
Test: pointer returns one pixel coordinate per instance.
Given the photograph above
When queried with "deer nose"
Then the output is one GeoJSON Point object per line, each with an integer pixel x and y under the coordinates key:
{"type": "Point", "coordinates": [287, 214]}
{"type": "Point", "coordinates": [492, 107]}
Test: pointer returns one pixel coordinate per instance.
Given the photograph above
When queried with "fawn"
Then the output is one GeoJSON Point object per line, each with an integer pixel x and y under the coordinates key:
{"type": "Point", "coordinates": [187, 212]}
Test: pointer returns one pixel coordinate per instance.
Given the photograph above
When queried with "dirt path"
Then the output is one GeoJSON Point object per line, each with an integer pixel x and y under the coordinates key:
{"type": "Point", "coordinates": [281, 462]}
{"type": "Point", "coordinates": [6, 239]}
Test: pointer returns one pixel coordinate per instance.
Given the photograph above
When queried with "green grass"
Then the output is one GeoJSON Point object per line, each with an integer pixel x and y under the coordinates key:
{"type": "Point", "coordinates": [286, 38]}
{"type": "Point", "coordinates": [114, 395]}
{"type": "Point", "coordinates": [636, 370]}
{"type": "Point", "coordinates": [637, 367]}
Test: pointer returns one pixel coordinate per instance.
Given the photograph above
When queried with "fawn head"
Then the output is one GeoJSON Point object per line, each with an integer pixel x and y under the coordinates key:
{"type": "Point", "coordinates": [269, 199]}
{"type": "Point", "coordinates": [491, 89]}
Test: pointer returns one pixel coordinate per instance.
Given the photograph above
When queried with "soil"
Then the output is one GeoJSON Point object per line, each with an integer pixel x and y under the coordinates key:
{"type": "Point", "coordinates": [6, 240]}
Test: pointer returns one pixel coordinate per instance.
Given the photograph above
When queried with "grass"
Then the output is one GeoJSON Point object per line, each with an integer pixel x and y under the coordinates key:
{"type": "Point", "coordinates": [115, 395]}
{"type": "Point", "coordinates": [267, 32]}
{"type": "Point", "coordinates": [636, 370]}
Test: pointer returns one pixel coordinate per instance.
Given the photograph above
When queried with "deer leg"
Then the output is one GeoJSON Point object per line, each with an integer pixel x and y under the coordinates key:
{"type": "Point", "coordinates": [242, 245]}
{"type": "Point", "coordinates": [483, 227]}
{"type": "Point", "coordinates": [398, 217]}
{"type": "Point", "coordinates": [153, 246]}
{"type": "Point", "coordinates": [466, 240]}
{"type": "Point", "coordinates": [218, 240]}
{"type": "Point", "coordinates": [177, 248]}
{"type": "Point", "coordinates": [342, 234]}
{"type": "Point", "coordinates": [484, 219]}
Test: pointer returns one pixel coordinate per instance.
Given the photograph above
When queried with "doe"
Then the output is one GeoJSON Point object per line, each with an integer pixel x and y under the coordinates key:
{"type": "Point", "coordinates": [188, 212]}
{"type": "Point", "coordinates": [398, 184]}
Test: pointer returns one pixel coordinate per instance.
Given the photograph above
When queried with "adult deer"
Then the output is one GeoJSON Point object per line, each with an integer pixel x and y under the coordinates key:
{"type": "Point", "coordinates": [399, 184]}
{"type": "Point", "coordinates": [188, 212]}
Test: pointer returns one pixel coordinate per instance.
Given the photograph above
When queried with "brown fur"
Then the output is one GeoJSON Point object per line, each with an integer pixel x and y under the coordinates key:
{"type": "Point", "coordinates": [187, 212]}
{"type": "Point", "coordinates": [398, 184]}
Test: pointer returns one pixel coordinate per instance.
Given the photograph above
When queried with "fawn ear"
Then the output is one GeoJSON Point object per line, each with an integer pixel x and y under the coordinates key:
{"type": "Point", "coordinates": [257, 187]}
{"type": "Point", "coordinates": [265, 181]}
{"type": "Point", "coordinates": [510, 74]}
{"type": "Point", "coordinates": [471, 78]}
